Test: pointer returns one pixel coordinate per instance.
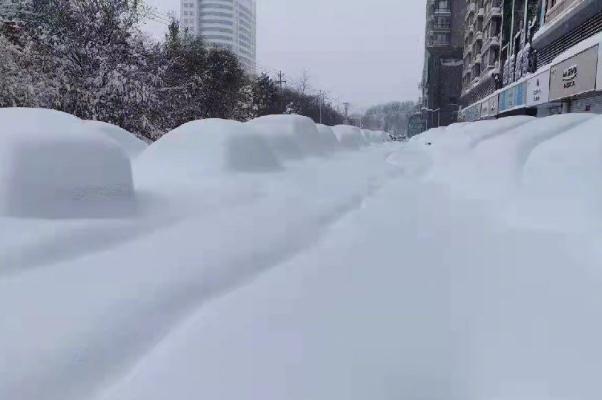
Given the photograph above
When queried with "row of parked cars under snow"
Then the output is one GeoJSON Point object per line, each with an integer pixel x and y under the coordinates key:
{"type": "Point", "coordinates": [54, 165]}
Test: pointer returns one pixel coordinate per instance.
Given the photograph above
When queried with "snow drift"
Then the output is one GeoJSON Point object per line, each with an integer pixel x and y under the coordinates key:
{"type": "Point", "coordinates": [561, 180]}
{"type": "Point", "coordinates": [349, 137]}
{"type": "Point", "coordinates": [372, 136]}
{"type": "Point", "coordinates": [290, 136]}
{"type": "Point", "coordinates": [50, 167]}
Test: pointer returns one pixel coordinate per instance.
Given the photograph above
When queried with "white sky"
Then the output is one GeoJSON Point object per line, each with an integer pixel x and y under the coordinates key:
{"type": "Point", "coordinates": [365, 52]}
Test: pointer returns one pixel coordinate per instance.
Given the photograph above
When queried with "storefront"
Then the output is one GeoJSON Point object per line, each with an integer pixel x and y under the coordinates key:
{"type": "Point", "coordinates": [472, 113]}
{"type": "Point", "coordinates": [574, 76]}
{"type": "Point", "coordinates": [492, 105]}
{"type": "Point", "coordinates": [515, 97]}
{"type": "Point", "coordinates": [485, 109]}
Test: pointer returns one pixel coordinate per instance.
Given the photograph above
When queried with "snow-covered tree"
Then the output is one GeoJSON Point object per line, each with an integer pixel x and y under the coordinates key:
{"type": "Point", "coordinates": [88, 58]}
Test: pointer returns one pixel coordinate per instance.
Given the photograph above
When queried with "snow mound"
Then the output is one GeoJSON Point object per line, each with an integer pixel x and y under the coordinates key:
{"type": "Point", "coordinates": [495, 165]}
{"type": "Point", "coordinates": [51, 168]}
{"type": "Point", "coordinates": [384, 136]}
{"type": "Point", "coordinates": [375, 136]}
{"type": "Point", "coordinates": [290, 136]}
{"type": "Point", "coordinates": [454, 148]}
{"type": "Point", "coordinates": [128, 141]}
{"type": "Point", "coordinates": [327, 137]}
{"type": "Point", "coordinates": [349, 137]}
{"type": "Point", "coordinates": [204, 148]}
{"type": "Point", "coordinates": [562, 180]}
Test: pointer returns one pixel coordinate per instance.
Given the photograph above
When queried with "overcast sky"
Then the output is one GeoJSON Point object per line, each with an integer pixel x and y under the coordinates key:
{"type": "Point", "coordinates": [362, 51]}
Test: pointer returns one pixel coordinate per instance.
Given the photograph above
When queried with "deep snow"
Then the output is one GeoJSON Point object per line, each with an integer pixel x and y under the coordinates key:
{"type": "Point", "coordinates": [463, 264]}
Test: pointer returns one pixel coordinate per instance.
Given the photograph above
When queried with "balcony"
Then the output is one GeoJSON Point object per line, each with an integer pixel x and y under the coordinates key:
{"type": "Point", "coordinates": [493, 41]}
{"type": "Point", "coordinates": [438, 27]}
{"type": "Point", "coordinates": [437, 42]}
{"type": "Point", "coordinates": [494, 4]}
{"type": "Point", "coordinates": [470, 10]}
{"type": "Point", "coordinates": [468, 32]}
{"type": "Point", "coordinates": [442, 11]}
{"type": "Point", "coordinates": [493, 10]}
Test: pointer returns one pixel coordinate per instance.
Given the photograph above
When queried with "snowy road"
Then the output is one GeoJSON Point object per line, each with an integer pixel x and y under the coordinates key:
{"type": "Point", "coordinates": [468, 269]}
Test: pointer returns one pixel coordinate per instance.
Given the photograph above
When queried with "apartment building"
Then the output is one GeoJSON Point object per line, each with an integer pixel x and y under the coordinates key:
{"type": "Point", "coordinates": [229, 24]}
{"type": "Point", "coordinates": [550, 58]}
{"type": "Point", "coordinates": [482, 67]}
{"type": "Point", "coordinates": [442, 75]}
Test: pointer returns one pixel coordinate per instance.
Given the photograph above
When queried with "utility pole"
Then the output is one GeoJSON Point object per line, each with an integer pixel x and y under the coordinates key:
{"type": "Point", "coordinates": [346, 105]}
{"type": "Point", "coordinates": [321, 100]}
{"type": "Point", "coordinates": [281, 82]}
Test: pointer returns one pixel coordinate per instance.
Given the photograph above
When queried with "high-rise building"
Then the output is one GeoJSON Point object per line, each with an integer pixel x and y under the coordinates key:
{"type": "Point", "coordinates": [482, 44]}
{"type": "Point", "coordinates": [442, 75]}
{"type": "Point", "coordinates": [229, 24]}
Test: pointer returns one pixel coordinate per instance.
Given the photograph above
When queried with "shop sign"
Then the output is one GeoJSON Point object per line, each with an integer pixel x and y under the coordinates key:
{"type": "Point", "coordinates": [574, 76]}
{"type": "Point", "coordinates": [538, 89]}
{"type": "Point", "coordinates": [513, 97]}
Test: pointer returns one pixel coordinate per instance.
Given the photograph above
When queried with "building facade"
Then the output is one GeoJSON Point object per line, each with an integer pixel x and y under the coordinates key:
{"type": "Point", "coordinates": [497, 49]}
{"type": "Point", "coordinates": [565, 23]}
{"type": "Point", "coordinates": [482, 49]}
{"type": "Point", "coordinates": [442, 75]}
{"type": "Point", "coordinates": [572, 27]}
{"type": "Point", "coordinates": [550, 61]}
{"type": "Point", "coordinates": [229, 24]}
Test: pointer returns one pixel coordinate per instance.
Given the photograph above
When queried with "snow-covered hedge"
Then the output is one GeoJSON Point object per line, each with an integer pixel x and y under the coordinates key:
{"type": "Point", "coordinates": [207, 147]}
{"type": "Point", "coordinates": [51, 167]}
{"type": "Point", "coordinates": [349, 137]}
